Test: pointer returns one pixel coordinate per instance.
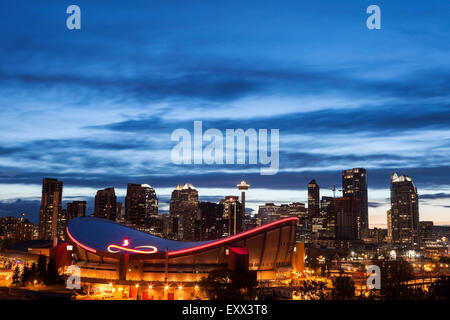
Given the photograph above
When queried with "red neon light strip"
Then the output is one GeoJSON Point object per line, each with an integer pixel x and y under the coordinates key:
{"type": "Point", "coordinates": [133, 250]}
{"type": "Point", "coordinates": [78, 243]}
{"type": "Point", "coordinates": [231, 238]}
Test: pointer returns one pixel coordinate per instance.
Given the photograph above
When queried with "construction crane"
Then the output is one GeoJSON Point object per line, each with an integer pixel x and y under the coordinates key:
{"type": "Point", "coordinates": [334, 189]}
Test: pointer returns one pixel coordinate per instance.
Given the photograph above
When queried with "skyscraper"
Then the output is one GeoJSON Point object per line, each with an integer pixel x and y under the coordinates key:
{"type": "Point", "coordinates": [354, 185]}
{"type": "Point", "coordinates": [211, 220]}
{"type": "Point", "coordinates": [313, 199]}
{"type": "Point", "coordinates": [404, 212]}
{"type": "Point", "coordinates": [141, 204]}
{"type": "Point", "coordinates": [106, 204]}
{"type": "Point", "coordinates": [268, 213]}
{"type": "Point", "coordinates": [75, 209]}
{"type": "Point", "coordinates": [347, 218]}
{"type": "Point", "coordinates": [233, 216]}
{"type": "Point", "coordinates": [303, 233]}
{"type": "Point", "coordinates": [329, 218]}
{"type": "Point", "coordinates": [184, 211]}
{"type": "Point", "coordinates": [51, 218]}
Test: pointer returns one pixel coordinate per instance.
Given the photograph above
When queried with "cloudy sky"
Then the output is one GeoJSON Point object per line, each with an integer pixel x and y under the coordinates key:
{"type": "Point", "coordinates": [96, 107]}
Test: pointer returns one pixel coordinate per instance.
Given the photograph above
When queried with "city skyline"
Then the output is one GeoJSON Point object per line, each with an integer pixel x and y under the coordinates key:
{"type": "Point", "coordinates": [214, 195]}
{"type": "Point", "coordinates": [96, 108]}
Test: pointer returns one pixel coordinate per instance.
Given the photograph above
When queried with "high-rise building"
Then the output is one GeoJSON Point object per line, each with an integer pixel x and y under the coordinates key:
{"type": "Point", "coordinates": [170, 226]}
{"type": "Point", "coordinates": [348, 220]}
{"type": "Point", "coordinates": [120, 213]}
{"type": "Point", "coordinates": [52, 221]}
{"type": "Point", "coordinates": [75, 209]}
{"type": "Point", "coordinates": [233, 216]}
{"type": "Point", "coordinates": [141, 204]}
{"type": "Point", "coordinates": [268, 213]}
{"type": "Point", "coordinates": [106, 204]}
{"type": "Point", "coordinates": [354, 185]}
{"type": "Point", "coordinates": [425, 232]}
{"type": "Point", "coordinates": [313, 199]}
{"type": "Point", "coordinates": [404, 212]}
{"type": "Point", "coordinates": [303, 232]}
{"type": "Point", "coordinates": [389, 226]}
{"type": "Point", "coordinates": [211, 220]}
{"type": "Point", "coordinates": [184, 211]}
{"type": "Point", "coordinates": [250, 222]}
{"type": "Point", "coordinates": [16, 228]}
{"type": "Point", "coordinates": [329, 218]}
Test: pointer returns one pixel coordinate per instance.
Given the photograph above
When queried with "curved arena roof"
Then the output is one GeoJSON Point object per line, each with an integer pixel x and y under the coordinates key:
{"type": "Point", "coordinates": [98, 235]}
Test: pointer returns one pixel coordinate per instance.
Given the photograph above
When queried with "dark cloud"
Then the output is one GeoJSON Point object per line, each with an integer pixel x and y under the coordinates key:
{"type": "Point", "coordinates": [372, 120]}
{"type": "Point", "coordinates": [18, 207]}
{"type": "Point", "coordinates": [440, 195]}
{"type": "Point", "coordinates": [373, 204]}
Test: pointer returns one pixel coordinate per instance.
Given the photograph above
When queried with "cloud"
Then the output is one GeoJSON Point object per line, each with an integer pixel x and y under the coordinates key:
{"type": "Point", "coordinates": [373, 204]}
{"type": "Point", "coordinates": [440, 195]}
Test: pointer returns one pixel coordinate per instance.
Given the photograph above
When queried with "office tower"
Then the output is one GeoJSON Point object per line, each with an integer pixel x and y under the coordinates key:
{"type": "Point", "coordinates": [243, 186]}
{"type": "Point", "coordinates": [184, 211]}
{"type": "Point", "coordinates": [141, 204]}
{"type": "Point", "coordinates": [25, 230]}
{"type": "Point", "coordinates": [354, 185]}
{"type": "Point", "coordinates": [389, 226]}
{"type": "Point", "coordinates": [284, 211]}
{"type": "Point", "coordinates": [155, 225]}
{"type": "Point", "coordinates": [16, 228]}
{"type": "Point", "coordinates": [303, 232]}
{"type": "Point", "coordinates": [51, 218]}
{"type": "Point", "coordinates": [170, 226]}
{"type": "Point", "coordinates": [106, 204]}
{"type": "Point", "coordinates": [313, 199]}
{"type": "Point", "coordinates": [211, 220]}
{"type": "Point", "coordinates": [348, 220]}
{"type": "Point", "coordinates": [233, 215]}
{"type": "Point", "coordinates": [250, 222]}
{"type": "Point", "coordinates": [329, 218]}
{"type": "Point", "coordinates": [404, 212]}
{"type": "Point", "coordinates": [268, 213]}
{"type": "Point", "coordinates": [425, 232]}
{"type": "Point", "coordinates": [76, 209]}
{"type": "Point", "coordinates": [120, 213]}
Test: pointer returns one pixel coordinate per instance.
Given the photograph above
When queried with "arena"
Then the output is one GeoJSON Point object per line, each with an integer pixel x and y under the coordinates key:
{"type": "Point", "coordinates": [112, 255]}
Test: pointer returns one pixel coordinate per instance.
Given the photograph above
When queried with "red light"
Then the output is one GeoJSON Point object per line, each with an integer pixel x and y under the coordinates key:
{"type": "Point", "coordinates": [126, 242]}
{"type": "Point", "coordinates": [80, 244]}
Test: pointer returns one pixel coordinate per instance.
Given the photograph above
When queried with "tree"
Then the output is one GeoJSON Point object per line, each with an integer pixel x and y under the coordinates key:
{"type": "Point", "coordinates": [440, 290]}
{"type": "Point", "coordinates": [33, 272]}
{"type": "Point", "coordinates": [25, 277]}
{"type": "Point", "coordinates": [394, 279]}
{"type": "Point", "coordinates": [41, 271]}
{"type": "Point", "coordinates": [223, 284]}
{"type": "Point", "coordinates": [343, 288]}
{"type": "Point", "coordinates": [16, 276]}
{"type": "Point", "coordinates": [53, 276]}
{"type": "Point", "coordinates": [313, 290]}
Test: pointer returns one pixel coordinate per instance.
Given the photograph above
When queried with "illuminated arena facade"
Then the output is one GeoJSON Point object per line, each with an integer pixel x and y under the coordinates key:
{"type": "Point", "coordinates": [108, 251]}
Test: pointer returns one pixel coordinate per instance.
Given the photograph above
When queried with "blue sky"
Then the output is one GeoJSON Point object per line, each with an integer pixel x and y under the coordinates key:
{"type": "Point", "coordinates": [96, 107]}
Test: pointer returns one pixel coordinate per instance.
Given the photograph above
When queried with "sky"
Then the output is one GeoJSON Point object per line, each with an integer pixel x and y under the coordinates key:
{"type": "Point", "coordinates": [96, 107]}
